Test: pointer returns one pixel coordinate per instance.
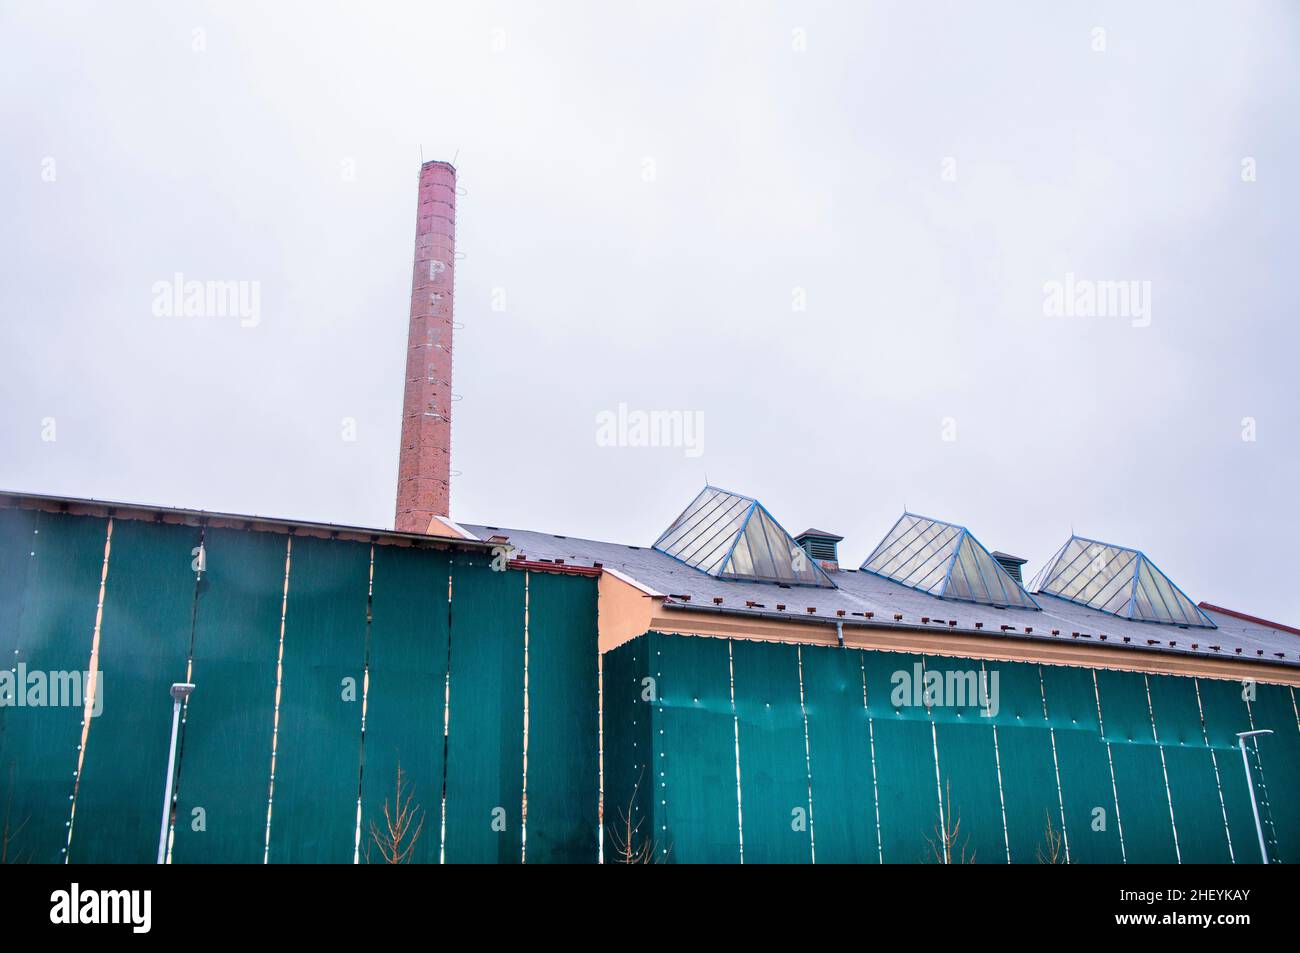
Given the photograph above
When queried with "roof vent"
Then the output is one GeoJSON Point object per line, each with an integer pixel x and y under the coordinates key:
{"type": "Point", "coordinates": [821, 546]}
{"type": "Point", "coordinates": [1011, 564]}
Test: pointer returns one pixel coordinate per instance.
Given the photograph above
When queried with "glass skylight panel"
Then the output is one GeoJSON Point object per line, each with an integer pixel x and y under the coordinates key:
{"type": "Point", "coordinates": [1118, 580]}
{"type": "Point", "coordinates": [703, 535]}
{"type": "Point", "coordinates": [944, 560]}
{"type": "Point", "coordinates": [733, 536]}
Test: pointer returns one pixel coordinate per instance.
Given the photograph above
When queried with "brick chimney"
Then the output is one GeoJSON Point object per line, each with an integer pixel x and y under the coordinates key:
{"type": "Point", "coordinates": [424, 465]}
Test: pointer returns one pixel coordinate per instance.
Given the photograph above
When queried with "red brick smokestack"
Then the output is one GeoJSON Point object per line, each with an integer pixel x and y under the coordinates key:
{"type": "Point", "coordinates": [424, 466]}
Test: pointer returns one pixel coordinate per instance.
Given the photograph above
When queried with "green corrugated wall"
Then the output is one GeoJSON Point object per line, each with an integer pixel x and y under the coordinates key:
{"type": "Point", "coordinates": [1224, 706]}
{"type": "Point", "coordinates": [840, 754]}
{"type": "Point", "coordinates": [809, 741]}
{"type": "Point", "coordinates": [902, 739]}
{"type": "Point", "coordinates": [405, 702]}
{"type": "Point", "coordinates": [316, 781]}
{"type": "Point", "coordinates": [225, 764]}
{"type": "Point", "coordinates": [693, 749]}
{"type": "Point", "coordinates": [1274, 708]}
{"type": "Point", "coordinates": [968, 765]}
{"type": "Point", "coordinates": [365, 627]}
{"type": "Point", "coordinates": [562, 778]}
{"type": "Point", "coordinates": [628, 781]}
{"type": "Point", "coordinates": [144, 647]}
{"type": "Point", "coordinates": [1083, 761]}
{"type": "Point", "coordinates": [1026, 763]}
{"type": "Point", "coordinates": [1193, 782]}
{"type": "Point", "coordinates": [773, 764]}
{"type": "Point", "coordinates": [796, 753]}
{"type": "Point", "coordinates": [50, 621]}
{"type": "Point", "coordinates": [485, 747]}
{"type": "Point", "coordinates": [1144, 803]}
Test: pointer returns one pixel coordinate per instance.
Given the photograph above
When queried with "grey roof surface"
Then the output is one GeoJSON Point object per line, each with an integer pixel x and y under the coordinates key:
{"type": "Point", "coordinates": [862, 592]}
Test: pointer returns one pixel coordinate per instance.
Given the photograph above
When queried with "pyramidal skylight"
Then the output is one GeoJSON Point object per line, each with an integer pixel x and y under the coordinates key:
{"type": "Point", "coordinates": [734, 537]}
{"type": "Point", "coordinates": [1121, 581]}
{"type": "Point", "coordinates": [944, 560]}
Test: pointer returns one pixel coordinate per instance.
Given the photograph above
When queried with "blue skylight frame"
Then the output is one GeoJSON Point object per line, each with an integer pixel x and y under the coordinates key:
{"type": "Point", "coordinates": [944, 560]}
{"type": "Point", "coordinates": [1118, 580]}
{"type": "Point", "coordinates": [733, 536]}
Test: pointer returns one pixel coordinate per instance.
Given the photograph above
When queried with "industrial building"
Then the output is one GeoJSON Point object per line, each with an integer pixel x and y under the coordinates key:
{"type": "Point", "coordinates": [726, 693]}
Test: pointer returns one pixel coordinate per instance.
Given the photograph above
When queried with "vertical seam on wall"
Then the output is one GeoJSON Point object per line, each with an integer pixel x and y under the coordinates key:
{"type": "Point", "coordinates": [523, 803]}
{"type": "Point", "coordinates": [1169, 797]}
{"type": "Point", "coordinates": [93, 694]}
{"type": "Point", "coordinates": [997, 762]}
{"type": "Point", "coordinates": [1266, 813]}
{"type": "Point", "coordinates": [938, 779]}
{"type": "Point", "coordinates": [735, 727]}
{"type": "Point", "coordinates": [446, 720]}
{"type": "Point", "coordinates": [279, 682]}
{"type": "Point", "coordinates": [600, 755]}
{"type": "Point", "coordinates": [656, 718]}
{"type": "Point", "coordinates": [185, 705]}
{"type": "Point", "coordinates": [365, 699]}
{"type": "Point", "coordinates": [1056, 764]}
{"type": "Point", "coordinates": [1101, 727]}
{"type": "Point", "coordinates": [807, 757]}
{"type": "Point", "coordinates": [871, 740]}
{"type": "Point", "coordinates": [1214, 760]}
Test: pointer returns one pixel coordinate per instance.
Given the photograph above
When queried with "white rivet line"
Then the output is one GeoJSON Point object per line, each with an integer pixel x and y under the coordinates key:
{"type": "Point", "coordinates": [523, 806]}
{"type": "Point", "coordinates": [1056, 766]}
{"type": "Point", "coordinates": [93, 689]}
{"type": "Point", "coordinates": [1101, 726]}
{"type": "Point", "coordinates": [997, 762]}
{"type": "Point", "coordinates": [279, 680]}
{"type": "Point", "coordinates": [600, 754]}
{"type": "Point", "coordinates": [871, 738]}
{"type": "Point", "coordinates": [938, 783]}
{"type": "Point", "coordinates": [735, 723]}
{"type": "Point", "coordinates": [807, 757]}
{"type": "Point", "coordinates": [365, 698]}
{"type": "Point", "coordinates": [1151, 712]}
{"type": "Point", "coordinates": [1214, 760]}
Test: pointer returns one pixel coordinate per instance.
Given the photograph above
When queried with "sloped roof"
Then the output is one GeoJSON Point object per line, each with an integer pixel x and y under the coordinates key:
{"type": "Point", "coordinates": [944, 560]}
{"type": "Point", "coordinates": [732, 536]}
{"type": "Point", "coordinates": [1118, 580]}
{"type": "Point", "coordinates": [870, 600]}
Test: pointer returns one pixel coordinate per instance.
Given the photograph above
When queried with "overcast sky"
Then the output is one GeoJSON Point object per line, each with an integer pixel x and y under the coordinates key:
{"type": "Point", "coordinates": [826, 229]}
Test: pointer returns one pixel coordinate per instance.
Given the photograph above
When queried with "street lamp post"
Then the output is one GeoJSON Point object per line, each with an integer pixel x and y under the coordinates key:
{"type": "Point", "coordinates": [180, 692]}
{"type": "Point", "coordinates": [1250, 785]}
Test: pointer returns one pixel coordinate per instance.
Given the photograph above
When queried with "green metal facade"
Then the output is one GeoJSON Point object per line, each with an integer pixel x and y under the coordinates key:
{"type": "Point", "coordinates": [323, 666]}
{"type": "Point", "coordinates": [340, 659]}
{"type": "Point", "coordinates": [726, 750]}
